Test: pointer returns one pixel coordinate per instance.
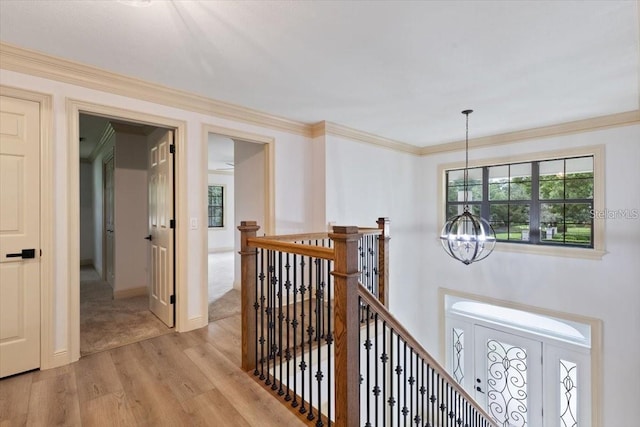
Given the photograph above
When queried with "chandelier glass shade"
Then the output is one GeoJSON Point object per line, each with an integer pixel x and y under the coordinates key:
{"type": "Point", "coordinates": [467, 237]}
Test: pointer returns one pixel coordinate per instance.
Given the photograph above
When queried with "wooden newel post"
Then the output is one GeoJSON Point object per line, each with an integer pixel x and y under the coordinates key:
{"type": "Point", "coordinates": [347, 325]}
{"type": "Point", "coordinates": [248, 229]}
{"type": "Point", "coordinates": [383, 261]}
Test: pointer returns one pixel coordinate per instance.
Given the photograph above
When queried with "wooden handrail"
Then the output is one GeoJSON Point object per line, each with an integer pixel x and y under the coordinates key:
{"type": "Point", "coordinates": [293, 248]}
{"type": "Point", "coordinates": [298, 237]}
{"type": "Point", "coordinates": [400, 330]}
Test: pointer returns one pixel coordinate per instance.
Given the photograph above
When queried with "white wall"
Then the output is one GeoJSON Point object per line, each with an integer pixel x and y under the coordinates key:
{"type": "Point", "coordinates": [365, 182]}
{"type": "Point", "coordinates": [131, 212]}
{"type": "Point", "coordinates": [249, 189]}
{"type": "Point", "coordinates": [607, 289]}
{"type": "Point", "coordinates": [87, 240]}
{"type": "Point", "coordinates": [292, 207]}
{"type": "Point", "coordinates": [222, 239]}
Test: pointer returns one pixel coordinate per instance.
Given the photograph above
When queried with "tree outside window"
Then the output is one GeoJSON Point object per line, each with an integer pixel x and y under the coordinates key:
{"type": "Point", "coordinates": [539, 202]}
{"type": "Point", "coordinates": [216, 206]}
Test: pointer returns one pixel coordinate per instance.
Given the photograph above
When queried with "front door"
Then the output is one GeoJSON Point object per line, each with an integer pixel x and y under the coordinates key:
{"type": "Point", "coordinates": [19, 235]}
{"type": "Point", "coordinates": [508, 379]}
{"type": "Point", "coordinates": [161, 225]}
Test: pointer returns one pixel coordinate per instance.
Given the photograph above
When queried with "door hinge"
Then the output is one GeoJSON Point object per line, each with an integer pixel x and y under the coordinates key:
{"type": "Point", "coordinates": [172, 299]}
{"type": "Point", "coordinates": [172, 223]}
{"type": "Point", "coordinates": [172, 148]}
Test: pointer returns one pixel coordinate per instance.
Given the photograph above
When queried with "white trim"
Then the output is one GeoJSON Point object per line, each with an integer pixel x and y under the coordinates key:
{"type": "Point", "coordinates": [27, 61]}
{"type": "Point", "coordinates": [269, 212]}
{"type": "Point", "coordinates": [215, 172]}
{"type": "Point", "coordinates": [598, 153]}
{"type": "Point", "coordinates": [128, 293]}
{"type": "Point", "coordinates": [34, 63]}
{"type": "Point", "coordinates": [74, 109]}
{"type": "Point", "coordinates": [48, 358]}
{"type": "Point", "coordinates": [586, 125]}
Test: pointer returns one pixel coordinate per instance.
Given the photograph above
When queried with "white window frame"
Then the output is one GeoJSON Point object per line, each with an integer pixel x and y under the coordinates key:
{"type": "Point", "coordinates": [597, 151]}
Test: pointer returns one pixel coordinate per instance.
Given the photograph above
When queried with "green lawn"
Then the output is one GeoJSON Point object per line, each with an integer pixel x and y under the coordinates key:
{"type": "Point", "coordinates": [575, 235]}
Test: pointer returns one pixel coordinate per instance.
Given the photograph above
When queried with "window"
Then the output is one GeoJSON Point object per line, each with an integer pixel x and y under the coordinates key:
{"type": "Point", "coordinates": [545, 202]}
{"type": "Point", "coordinates": [216, 206]}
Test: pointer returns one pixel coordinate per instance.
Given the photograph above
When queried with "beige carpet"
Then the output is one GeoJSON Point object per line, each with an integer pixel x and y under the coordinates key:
{"type": "Point", "coordinates": [106, 323]}
{"type": "Point", "coordinates": [224, 301]}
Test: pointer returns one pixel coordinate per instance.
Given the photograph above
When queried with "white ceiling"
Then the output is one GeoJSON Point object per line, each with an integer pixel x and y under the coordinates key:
{"type": "Point", "coordinates": [401, 70]}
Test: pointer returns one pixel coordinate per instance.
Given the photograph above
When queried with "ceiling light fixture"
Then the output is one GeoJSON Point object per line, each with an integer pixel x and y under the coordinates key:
{"type": "Point", "coordinates": [467, 237]}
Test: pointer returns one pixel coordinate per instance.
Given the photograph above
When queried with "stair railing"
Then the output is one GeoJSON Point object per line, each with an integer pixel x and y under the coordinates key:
{"type": "Point", "coordinates": [316, 332]}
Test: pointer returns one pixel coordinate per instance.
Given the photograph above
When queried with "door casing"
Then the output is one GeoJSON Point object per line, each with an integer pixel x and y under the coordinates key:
{"type": "Point", "coordinates": [74, 109]}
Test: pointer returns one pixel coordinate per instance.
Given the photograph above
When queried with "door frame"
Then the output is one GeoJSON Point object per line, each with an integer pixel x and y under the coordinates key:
{"type": "Point", "coordinates": [47, 298]}
{"type": "Point", "coordinates": [269, 190]}
{"type": "Point", "coordinates": [596, 338]}
{"type": "Point", "coordinates": [74, 108]}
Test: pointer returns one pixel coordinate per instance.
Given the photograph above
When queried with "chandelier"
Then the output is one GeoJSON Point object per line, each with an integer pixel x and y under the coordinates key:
{"type": "Point", "coordinates": [467, 237]}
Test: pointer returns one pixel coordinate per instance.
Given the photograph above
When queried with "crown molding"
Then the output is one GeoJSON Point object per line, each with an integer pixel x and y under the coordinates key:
{"type": "Point", "coordinates": [578, 126]}
{"type": "Point", "coordinates": [329, 128]}
{"type": "Point", "coordinates": [34, 63]}
{"type": "Point", "coordinates": [27, 61]}
{"type": "Point", "coordinates": [107, 133]}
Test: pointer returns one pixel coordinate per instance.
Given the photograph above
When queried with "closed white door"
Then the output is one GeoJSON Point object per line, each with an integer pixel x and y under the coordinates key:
{"type": "Point", "coordinates": [508, 379]}
{"type": "Point", "coordinates": [109, 224]}
{"type": "Point", "coordinates": [19, 235]}
{"type": "Point", "coordinates": [161, 231]}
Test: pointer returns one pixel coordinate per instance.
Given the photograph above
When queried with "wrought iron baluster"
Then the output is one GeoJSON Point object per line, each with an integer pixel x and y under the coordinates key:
{"type": "Point", "coordinates": [287, 288]}
{"type": "Point", "coordinates": [406, 398]}
{"type": "Point", "coordinates": [319, 308]}
{"type": "Point", "coordinates": [303, 364]}
{"type": "Point", "coordinates": [376, 366]}
{"type": "Point", "coordinates": [384, 358]}
{"type": "Point", "coordinates": [256, 307]}
{"type": "Point", "coordinates": [294, 326]}
{"type": "Point", "coordinates": [310, 330]}
{"type": "Point", "coordinates": [280, 322]}
{"type": "Point", "coordinates": [329, 341]}
{"type": "Point", "coordinates": [262, 313]}
{"type": "Point", "coordinates": [367, 346]}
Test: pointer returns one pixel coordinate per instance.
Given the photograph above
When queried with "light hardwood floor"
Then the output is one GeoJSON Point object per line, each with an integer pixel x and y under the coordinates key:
{"type": "Point", "coordinates": [188, 379]}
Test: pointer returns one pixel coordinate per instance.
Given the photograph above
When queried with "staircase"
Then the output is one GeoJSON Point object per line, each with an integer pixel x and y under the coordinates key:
{"type": "Point", "coordinates": [317, 333]}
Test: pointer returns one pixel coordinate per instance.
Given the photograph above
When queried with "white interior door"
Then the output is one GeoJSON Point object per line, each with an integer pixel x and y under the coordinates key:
{"type": "Point", "coordinates": [161, 231]}
{"type": "Point", "coordinates": [109, 224]}
{"type": "Point", "coordinates": [19, 235]}
{"type": "Point", "coordinates": [508, 377]}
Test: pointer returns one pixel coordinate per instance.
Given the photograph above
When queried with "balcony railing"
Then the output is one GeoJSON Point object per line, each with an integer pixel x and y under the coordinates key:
{"type": "Point", "coordinates": [316, 331]}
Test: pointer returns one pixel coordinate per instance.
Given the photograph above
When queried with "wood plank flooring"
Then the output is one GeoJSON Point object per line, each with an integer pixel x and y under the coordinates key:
{"type": "Point", "coordinates": [189, 379]}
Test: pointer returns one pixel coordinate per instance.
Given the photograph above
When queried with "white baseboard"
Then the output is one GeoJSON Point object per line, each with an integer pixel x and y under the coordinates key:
{"type": "Point", "coordinates": [218, 250]}
{"type": "Point", "coordinates": [128, 293]}
{"type": "Point", "coordinates": [57, 359]}
{"type": "Point", "coordinates": [194, 323]}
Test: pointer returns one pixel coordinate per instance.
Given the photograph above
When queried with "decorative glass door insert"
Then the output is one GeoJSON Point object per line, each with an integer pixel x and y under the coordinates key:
{"type": "Point", "coordinates": [509, 377]}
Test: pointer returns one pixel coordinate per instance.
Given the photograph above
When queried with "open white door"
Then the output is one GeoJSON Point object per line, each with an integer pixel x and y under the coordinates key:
{"type": "Point", "coordinates": [161, 225]}
{"type": "Point", "coordinates": [19, 235]}
{"type": "Point", "coordinates": [109, 225]}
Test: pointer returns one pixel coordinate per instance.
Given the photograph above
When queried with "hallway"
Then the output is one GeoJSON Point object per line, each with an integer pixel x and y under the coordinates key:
{"type": "Point", "coordinates": [188, 379]}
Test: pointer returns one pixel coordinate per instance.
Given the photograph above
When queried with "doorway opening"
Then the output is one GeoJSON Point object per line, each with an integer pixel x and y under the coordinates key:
{"type": "Point", "coordinates": [125, 254]}
{"type": "Point", "coordinates": [239, 187]}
